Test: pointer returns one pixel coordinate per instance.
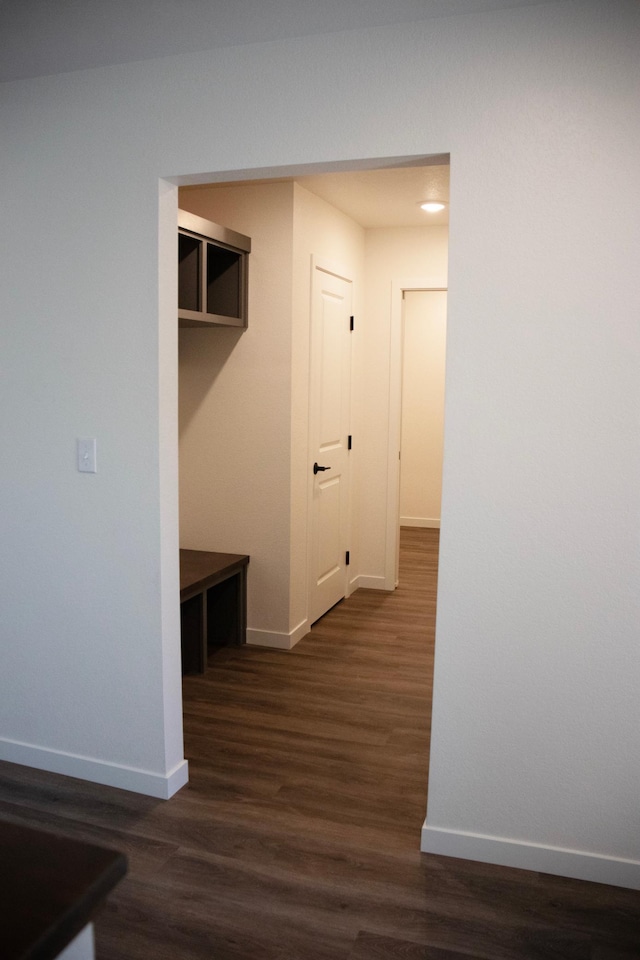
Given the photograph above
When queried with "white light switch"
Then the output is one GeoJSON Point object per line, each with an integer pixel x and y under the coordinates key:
{"type": "Point", "coordinates": [87, 455]}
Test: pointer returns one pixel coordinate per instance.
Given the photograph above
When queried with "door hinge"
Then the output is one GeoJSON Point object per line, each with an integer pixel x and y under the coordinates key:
{"type": "Point", "coordinates": [351, 323]}
{"type": "Point", "coordinates": [347, 560]}
{"type": "Point", "coordinates": [349, 441]}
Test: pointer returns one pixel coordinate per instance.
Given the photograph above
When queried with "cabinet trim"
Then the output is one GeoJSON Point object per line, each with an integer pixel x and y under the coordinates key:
{"type": "Point", "coordinates": [213, 231]}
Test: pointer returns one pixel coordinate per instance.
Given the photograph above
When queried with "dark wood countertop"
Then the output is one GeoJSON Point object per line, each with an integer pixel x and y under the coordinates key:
{"type": "Point", "coordinates": [50, 887]}
{"type": "Point", "coordinates": [200, 568]}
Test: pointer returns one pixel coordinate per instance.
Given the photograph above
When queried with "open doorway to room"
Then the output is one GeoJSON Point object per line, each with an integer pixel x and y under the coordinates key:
{"type": "Point", "coordinates": [244, 402]}
{"type": "Point", "coordinates": [236, 396]}
{"type": "Point", "coordinates": [416, 431]}
{"type": "Point", "coordinates": [241, 406]}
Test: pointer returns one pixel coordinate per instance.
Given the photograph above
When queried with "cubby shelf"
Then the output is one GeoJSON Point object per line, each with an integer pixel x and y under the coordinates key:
{"type": "Point", "coordinates": [213, 273]}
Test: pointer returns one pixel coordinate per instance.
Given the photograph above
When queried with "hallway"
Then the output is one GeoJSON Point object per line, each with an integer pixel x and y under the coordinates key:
{"type": "Point", "coordinates": [298, 835]}
{"type": "Point", "coordinates": [331, 738]}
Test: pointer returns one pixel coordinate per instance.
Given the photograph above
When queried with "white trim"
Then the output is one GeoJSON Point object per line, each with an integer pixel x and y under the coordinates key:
{"type": "Point", "coordinates": [151, 784]}
{"type": "Point", "coordinates": [398, 287]}
{"type": "Point", "coordinates": [172, 717]}
{"type": "Point", "coordinates": [432, 523]}
{"type": "Point", "coordinates": [279, 641]}
{"type": "Point", "coordinates": [373, 583]}
{"type": "Point", "coordinates": [81, 947]}
{"type": "Point", "coordinates": [334, 267]}
{"type": "Point", "coordinates": [531, 856]}
{"type": "Point", "coordinates": [353, 585]}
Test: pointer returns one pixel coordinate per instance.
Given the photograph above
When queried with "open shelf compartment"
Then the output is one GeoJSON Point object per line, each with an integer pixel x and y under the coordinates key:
{"type": "Point", "coordinates": [213, 273]}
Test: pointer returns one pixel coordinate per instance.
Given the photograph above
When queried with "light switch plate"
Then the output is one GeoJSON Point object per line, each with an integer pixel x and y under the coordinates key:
{"type": "Point", "coordinates": [87, 455]}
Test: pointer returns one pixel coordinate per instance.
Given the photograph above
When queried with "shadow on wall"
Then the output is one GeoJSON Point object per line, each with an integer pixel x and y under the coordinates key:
{"type": "Point", "coordinates": [202, 357]}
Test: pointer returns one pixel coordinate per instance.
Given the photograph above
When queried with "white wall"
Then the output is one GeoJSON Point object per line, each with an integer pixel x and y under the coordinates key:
{"type": "Point", "coordinates": [537, 672]}
{"type": "Point", "coordinates": [423, 364]}
{"type": "Point", "coordinates": [235, 409]}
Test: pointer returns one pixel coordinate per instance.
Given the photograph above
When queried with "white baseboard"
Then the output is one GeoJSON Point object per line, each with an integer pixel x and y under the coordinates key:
{"type": "Point", "coordinates": [374, 583]}
{"type": "Point", "coordinates": [82, 947]}
{"type": "Point", "coordinates": [279, 641]}
{"type": "Point", "coordinates": [431, 522]}
{"type": "Point", "coordinates": [157, 785]}
{"type": "Point", "coordinates": [531, 856]}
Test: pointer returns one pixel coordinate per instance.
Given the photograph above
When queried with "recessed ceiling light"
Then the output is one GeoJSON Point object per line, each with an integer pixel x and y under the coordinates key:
{"type": "Point", "coordinates": [432, 206]}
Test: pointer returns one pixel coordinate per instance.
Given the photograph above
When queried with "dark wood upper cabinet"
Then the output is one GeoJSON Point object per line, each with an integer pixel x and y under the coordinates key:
{"type": "Point", "coordinates": [213, 273]}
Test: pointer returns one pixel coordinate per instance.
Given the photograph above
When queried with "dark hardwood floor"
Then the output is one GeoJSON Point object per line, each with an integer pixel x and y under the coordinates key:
{"type": "Point", "coordinates": [297, 837]}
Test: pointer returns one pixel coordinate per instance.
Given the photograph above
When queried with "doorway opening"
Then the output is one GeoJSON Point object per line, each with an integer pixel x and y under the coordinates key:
{"type": "Point", "coordinates": [416, 409]}
{"type": "Point", "coordinates": [220, 383]}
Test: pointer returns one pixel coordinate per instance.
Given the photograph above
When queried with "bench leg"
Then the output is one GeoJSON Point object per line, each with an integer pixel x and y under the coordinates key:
{"type": "Point", "coordinates": [204, 635]}
{"type": "Point", "coordinates": [193, 632]}
{"type": "Point", "coordinates": [241, 612]}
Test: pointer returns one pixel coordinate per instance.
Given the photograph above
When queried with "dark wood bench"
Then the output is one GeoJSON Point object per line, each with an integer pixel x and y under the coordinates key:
{"type": "Point", "coordinates": [213, 604]}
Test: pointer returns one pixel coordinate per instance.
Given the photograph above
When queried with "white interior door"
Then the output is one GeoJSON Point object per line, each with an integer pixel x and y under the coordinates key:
{"type": "Point", "coordinates": [329, 411]}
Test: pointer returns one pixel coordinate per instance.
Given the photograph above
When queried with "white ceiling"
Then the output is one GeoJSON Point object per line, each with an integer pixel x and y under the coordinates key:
{"type": "Point", "coordinates": [41, 37]}
{"type": "Point", "coordinates": [384, 197]}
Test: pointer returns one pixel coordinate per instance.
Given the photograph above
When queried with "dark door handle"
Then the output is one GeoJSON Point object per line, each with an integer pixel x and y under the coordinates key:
{"type": "Point", "coordinates": [318, 469]}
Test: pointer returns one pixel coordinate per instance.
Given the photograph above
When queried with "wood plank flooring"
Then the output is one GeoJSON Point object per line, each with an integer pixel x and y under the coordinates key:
{"type": "Point", "coordinates": [297, 837]}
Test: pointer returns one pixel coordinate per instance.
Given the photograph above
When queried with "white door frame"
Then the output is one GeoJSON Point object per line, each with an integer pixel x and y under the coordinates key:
{"type": "Point", "coordinates": [398, 288]}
